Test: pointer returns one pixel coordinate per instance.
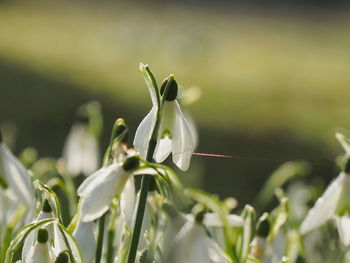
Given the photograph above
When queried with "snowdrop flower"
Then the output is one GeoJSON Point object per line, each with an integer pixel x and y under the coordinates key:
{"type": "Point", "coordinates": [174, 133]}
{"type": "Point", "coordinates": [259, 245]}
{"type": "Point", "coordinates": [192, 244]}
{"type": "Point", "coordinates": [40, 252]}
{"type": "Point", "coordinates": [99, 189]}
{"type": "Point", "coordinates": [335, 202]}
{"type": "Point", "coordinates": [45, 213]}
{"type": "Point", "coordinates": [81, 150]}
{"type": "Point", "coordinates": [85, 237]}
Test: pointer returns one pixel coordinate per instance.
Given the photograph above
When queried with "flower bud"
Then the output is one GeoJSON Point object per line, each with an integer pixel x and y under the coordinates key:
{"type": "Point", "coordinates": [43, 236]}
{"type": "Point", "coordinates": [131, 163]}
{"type": "Point", "coordinates": [171, 90]}
{"type": "Point", "coordinates": [199, 211]}
{"type": "Point", "coordinates": [46, 207]}
{"type": "Point", "coordinates": [263, 226]}
{"type": "Point", "coordinates": [62, 258]}
{"type": "Point", "coordinates": [120, 128]}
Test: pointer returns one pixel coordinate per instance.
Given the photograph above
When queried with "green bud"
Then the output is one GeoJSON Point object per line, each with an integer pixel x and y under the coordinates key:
{"type": "Point", "coordinates": [263, 226]}
{"type": "Point", "coordinates": [131, 163]}
{"type": "Point", "coordinates": [43, 236]}
{"type": "Point", "coordinates": [171, 90]}
{"type": "Point", "coordinates": [199, 211]}
{"type": "Point", "coordinates": [46, 207]}
{"type": "Point", "coordinates": [119, 128]}
{"type": "Point", "coordinates": [62, 258]}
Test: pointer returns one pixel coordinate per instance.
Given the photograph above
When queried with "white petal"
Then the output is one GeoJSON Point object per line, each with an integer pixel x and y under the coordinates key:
{"type": "Point", "coordinates": [96, 199]}
{"type": "Point", "coordinates": [39, 253]}
{"type": "Point", "coordinates": [84, 235]}
{"type": "Point", "coordinates": [325, 206]}
{"type": "Point", "coordinates": [190, 245]}
{"type": "Point", "coordinates": [72, 153]}
{"type": "Point", "coordinates": [343, 224]}
{"type": "Point", "coordinates": [95, 178]}
{"type": "Point", "coordinates": [183, 145]}
{"type": "Point", "coordinates": [193, 128]}
{"type": "Point", "coordinates": [213, 220]}
{"type": "Point", "coordinates": [162, 150]}
{"type": "Point", "coordinates": [17, 176]}
{"type": "Point", "coordinates": [128, 199]}
{"type": "Point", "coordinates": [90, 154]}
{"type": "Point", "coordinates": [80, 151]}
{"type": "Point", "coordinates": [144, 132]}
{"type": "Point", "coordinates": [215, 252]}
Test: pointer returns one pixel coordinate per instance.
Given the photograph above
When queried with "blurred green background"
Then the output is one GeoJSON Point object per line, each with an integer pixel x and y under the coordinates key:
{"type": "Point", "coordinates": [275, 82]}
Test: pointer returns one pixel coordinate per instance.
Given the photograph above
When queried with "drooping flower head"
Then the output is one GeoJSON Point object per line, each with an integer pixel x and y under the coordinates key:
{"type": "Point", "coordinates": [174, 134]}
{"type": "Point", "coordinates": [81, 149]}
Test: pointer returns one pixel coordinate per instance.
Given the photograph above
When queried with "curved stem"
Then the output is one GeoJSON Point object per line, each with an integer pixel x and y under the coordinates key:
{"type": "Point", "coordinates": [101, 230]}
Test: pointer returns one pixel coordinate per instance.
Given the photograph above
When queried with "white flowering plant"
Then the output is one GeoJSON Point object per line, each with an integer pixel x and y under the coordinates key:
{"type": "Point", "coordinates": [73, 209]}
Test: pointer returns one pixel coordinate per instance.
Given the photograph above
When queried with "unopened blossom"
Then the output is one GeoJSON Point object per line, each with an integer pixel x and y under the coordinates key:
{"type": "Point", "coordinates": [335, 202]}
{"type": "Point", "coordinates": [174, 135]}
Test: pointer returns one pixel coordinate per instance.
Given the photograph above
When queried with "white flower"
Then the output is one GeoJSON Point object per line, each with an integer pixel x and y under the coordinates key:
{"type": "Point", "coordinates": [40, 252]}
{"type": "Point", "coordinates": [174, 134]}
{"type": "Point", "coordinates": [99, 189]}
{"type": "Point", "coordinates": [334, 203]}
{"type": "Point", "coordinates": [81, 151]}
{"type": "Point", "coordinates": [193, 245]}
{"type": "Point", "coordinates": [16, 177]}
{"type": "Point", "coordinates": [84, 235]}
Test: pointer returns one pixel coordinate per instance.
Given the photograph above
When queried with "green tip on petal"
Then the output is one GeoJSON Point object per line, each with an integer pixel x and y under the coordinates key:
{"type": "Point", "coordinates": [172, 89]}
{"type": "Point", "coordinates": [131, 163]}
{"type": "Point", "coordinates": [263, 226]}
{"type": "Point", "coordinates": [62, 258]}
{"type": "Point", "coordinates": [43, 236]}
{"type": "Point", "coordinates": [46, 207]}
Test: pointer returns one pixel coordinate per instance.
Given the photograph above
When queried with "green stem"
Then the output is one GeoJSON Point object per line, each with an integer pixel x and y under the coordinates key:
{"type": "Point", "coordinates": [146, 179]}
{"type": "Point", "coordinates": [145, 183]}
{"type": "Point", "coordinates": [101, 228]}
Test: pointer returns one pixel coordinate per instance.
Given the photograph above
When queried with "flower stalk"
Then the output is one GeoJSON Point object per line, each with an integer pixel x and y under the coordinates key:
{"type": "Point", "coordinates": [146, 179]}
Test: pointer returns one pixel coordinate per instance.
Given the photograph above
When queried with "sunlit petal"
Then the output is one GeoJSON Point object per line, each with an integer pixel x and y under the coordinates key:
{"type": "Point", "coordinates": [96, 177]}
{"type": "Point", "coordinates": [163, 149]}
{"type": "Point", "coordinates": [144, 132]}
{"type": "Point", "coordinates": [128, 199]}
{"type": "Point", "coordinates": [84, 235]}
{"type": "Point", "coordinates": [17, 176]}
{"type": "Point", "coordinates": [325, 206]}
{"type": "Point", "coordinates": [96, 200]}
{"type": "Point", "coordinates": [182, 141]}
{"type": "Point", "coordinates": [343, 224]}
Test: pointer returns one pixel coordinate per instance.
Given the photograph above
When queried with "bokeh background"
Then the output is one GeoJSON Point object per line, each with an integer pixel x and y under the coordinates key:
{"type": "Point", "coordinates": [274, 78]}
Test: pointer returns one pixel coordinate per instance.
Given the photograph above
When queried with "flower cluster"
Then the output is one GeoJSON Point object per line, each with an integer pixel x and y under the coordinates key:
{"type": "Point", "coordinates": [129, 207]}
